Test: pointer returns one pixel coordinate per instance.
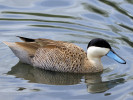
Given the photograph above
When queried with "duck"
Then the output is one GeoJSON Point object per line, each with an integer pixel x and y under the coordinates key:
{"type": "Point", "coordinates": [63, 56]}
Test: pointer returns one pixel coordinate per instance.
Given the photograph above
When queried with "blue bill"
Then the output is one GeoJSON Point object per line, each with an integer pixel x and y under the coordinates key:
{"type": "Point", "coordinates": [114, 56]}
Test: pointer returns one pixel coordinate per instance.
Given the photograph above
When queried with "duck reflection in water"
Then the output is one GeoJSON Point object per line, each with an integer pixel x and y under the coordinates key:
{"type": "Point", "coordinates": [35, 75]}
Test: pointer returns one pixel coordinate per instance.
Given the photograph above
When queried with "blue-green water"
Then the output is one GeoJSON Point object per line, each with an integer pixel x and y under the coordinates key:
{"type": "Point", "coordinates": [76, 21]}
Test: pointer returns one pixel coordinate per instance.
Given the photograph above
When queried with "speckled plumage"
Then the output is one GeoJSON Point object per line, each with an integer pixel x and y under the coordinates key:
{"type": "Point", "coordinates": [53, 55]}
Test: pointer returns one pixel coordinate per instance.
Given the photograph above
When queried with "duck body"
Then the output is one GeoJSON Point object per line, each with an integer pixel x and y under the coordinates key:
{"type": "Point", "coordinates": [57, 55]}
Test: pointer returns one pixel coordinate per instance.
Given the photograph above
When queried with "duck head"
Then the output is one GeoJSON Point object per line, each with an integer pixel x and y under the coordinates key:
{"type": "Point", "coordinates": [99, 47]}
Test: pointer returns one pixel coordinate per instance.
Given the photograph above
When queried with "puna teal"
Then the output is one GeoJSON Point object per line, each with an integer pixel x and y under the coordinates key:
{"type": "Point", "coordinates": [63, 56]}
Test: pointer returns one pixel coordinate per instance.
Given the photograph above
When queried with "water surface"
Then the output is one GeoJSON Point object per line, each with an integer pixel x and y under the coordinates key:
{"type": "Point", "coordinates": [75, 21]}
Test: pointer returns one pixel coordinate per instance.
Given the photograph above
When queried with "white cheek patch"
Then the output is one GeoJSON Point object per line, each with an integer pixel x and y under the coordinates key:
{"type": "Point", "coordinates": [97, 51]}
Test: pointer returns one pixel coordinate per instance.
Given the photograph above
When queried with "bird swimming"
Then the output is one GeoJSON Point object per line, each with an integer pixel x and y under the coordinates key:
{"type": "Point", "coordinates": [63, 56]}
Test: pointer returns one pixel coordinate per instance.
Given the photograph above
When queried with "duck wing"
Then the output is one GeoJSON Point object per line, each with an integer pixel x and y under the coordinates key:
{"type": "Point", "coordinates": [59, 56]}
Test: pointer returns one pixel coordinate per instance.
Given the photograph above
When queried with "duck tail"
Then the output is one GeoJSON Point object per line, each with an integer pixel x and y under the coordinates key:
{"type": "Point", "coordinates": [19, 51]}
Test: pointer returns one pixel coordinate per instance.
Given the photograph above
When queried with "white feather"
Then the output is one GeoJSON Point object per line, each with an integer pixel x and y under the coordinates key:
{"type": "Point", "coordinates": [94, 54]}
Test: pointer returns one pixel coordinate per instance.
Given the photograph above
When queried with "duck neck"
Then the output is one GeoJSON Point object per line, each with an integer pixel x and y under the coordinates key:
{"type": "Point", "coordinates": [96, 63]}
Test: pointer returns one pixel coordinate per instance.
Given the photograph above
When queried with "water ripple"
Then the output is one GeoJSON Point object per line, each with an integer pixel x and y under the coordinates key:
{"type": "Point", "coordinates": [40, 14]}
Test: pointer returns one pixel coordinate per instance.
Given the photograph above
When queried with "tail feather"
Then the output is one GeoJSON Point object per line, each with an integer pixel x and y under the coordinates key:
{"type": "Point", "coordinates": [20, 52]}
{"type": "Point", "coordinates": [26, 39]}
{"type": "Point", "coordinates": [10, 44]}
